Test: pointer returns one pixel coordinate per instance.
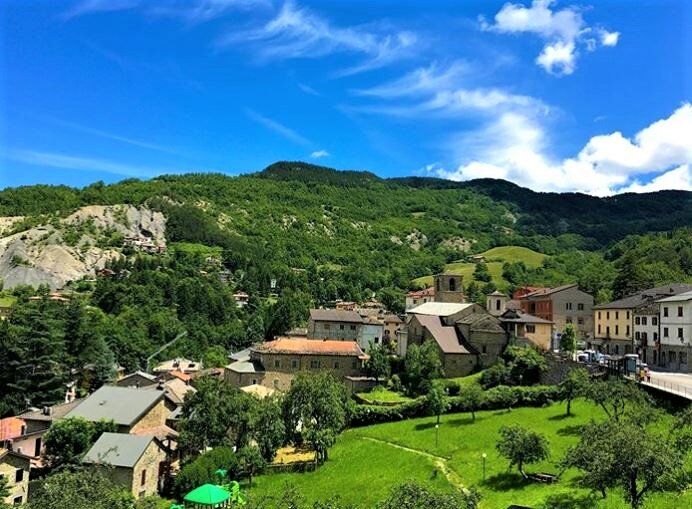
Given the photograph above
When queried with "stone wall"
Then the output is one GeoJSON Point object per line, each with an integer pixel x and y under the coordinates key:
{"type": "Point", "coordinates": [149, 465]}
{"type": "Point", "coordinates": [154, 417]}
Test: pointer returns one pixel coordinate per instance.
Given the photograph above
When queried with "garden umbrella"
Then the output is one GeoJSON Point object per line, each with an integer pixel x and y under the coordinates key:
{"type": "Point", "coordinates": [208, 495]}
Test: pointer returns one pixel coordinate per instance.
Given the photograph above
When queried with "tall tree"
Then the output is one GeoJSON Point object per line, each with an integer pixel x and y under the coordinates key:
{"type": "Point", "coordinates": [522, 446]}
{"type": "Point", "coordinates": [378, 365]}
{"type": "Point", "coordinates": [436, 400]}
{"type": "Point", "coordinates": [576, 384]}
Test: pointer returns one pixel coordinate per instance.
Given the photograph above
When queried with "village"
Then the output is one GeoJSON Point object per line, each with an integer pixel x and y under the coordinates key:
{"type": "Point", "coordinates": [644, 333]}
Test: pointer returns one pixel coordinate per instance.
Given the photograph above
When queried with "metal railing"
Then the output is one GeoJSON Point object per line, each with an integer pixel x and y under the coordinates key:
{"type": "Point", "coordinates": [673, 388]}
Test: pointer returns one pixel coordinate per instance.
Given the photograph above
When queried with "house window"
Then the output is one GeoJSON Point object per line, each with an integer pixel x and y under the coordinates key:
{"type": "Point", "coordinates": [144, 476]}
{"type": "Point", "coordinates": [627, 330]}
{"type": "Point", "coordinates": [294, 364]}
{"type": "Point", "coordinates": [617, 330]}
{"type": "Point", "coordinates": [665, 311]}
{"type": "Point", "coordinates": [607, 315]}
{"type": "Point", "coordinates": [353, 327]}
{"type": "Point", "coordinates": [569, 319]}
{"type": "Point", "coordinates": [277, 363]}
{"type": "Point", "coordinates": [679, 310]}
{"type": "Point", "coordinates": [497, 304]}
{"type": "Point", "coordinates": [599, 315]}
{"type": "Point", "coordinates": [637, 320]}
{"type": "Point", "coordinates": [314, 364]}
{"type": "Point", "coordinates": [654, 320]}
{"type": "Point", "coordinates": [19, 475]}
{"type": "Point", "coordinates": [665, 332]}
{"type": "Point", "coordinates": [599, 328]}
{"type": "Point", "coordinates": [617, 349]}
{"type": "Point", "coordinates": [276, 383]}
{"type": "Point", "coordinates": [636, 335]}
{"type": "Point", "coordinates": [680, 332]}
{"type": "Point", "coordinates": [655, 336]}
{"type": "Point", "coordinates": [254, 381]}
{"type": "Point", "coordinates": [336, 365]}
{"type": "Point", "coordinates": [341, 327]}
{"type": "Point", "coordinates": [18, 500]}
{"type": "Point", "coordinates": [452, 285]}
{"type": "Point", "coordinates": [484, 349]}
{"type": "Point", "coordinates": [580, 306]}
{"type": "Point", "coordinates": [644, 320]}
{"type": "Point", "coordinates": [530, 328]}
{"type": "Point", "coordinates": [568, 305]}
{"type": "Point", "coordinates": [617, 315]}
{"type": "Point", "coordinates": [607, 331]}
{"type": "Point", "coordinates": [628, 315]}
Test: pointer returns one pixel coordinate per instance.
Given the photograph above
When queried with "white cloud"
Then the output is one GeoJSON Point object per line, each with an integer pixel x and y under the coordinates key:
{"type": "Point", "coordinates": [442, 91]}
{"type": "Point", "coordinates": [71, 162]}
{"type": "Point", "coordinates": [297, 32]}
{"type": "Point", "coordinates": [309, 90]}
{"type": "Point", "coordinates": [278, 128]}
{"type": "Point", "coordinates": [563, 30]}
{"type": "Point", "coordinates": [514, 147]}
{"type": "Point", "coordinates": [609, 38]}
{"type": "Point", "coordinates": [319, 154]}
{"type": "Point", "coordinates": [200, 11]}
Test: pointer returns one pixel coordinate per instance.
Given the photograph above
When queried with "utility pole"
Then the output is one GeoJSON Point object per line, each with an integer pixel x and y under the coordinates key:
{"type": "Point", "coordinates": [181, 335]}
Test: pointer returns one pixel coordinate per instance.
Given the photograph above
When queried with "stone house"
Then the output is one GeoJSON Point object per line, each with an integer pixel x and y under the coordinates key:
{"type": "Point", "coordinates": [335, 324]}
{"type": "Point", "coordinates": [562, 305]}
{"type": "Point", "coordinates": [496, 303]}
{"type": "Point", "coordinates": [675, 325]}
{"type": "Point", "coordinates": [392, 326]}
{"type": "Point", "coordinates": [178, 364]}
{"type": "Point", "coordinates": [137, 379]}
{"type": "Point", "coordinates": [631, 323]}
{"type": "Point", "coordinates": [137, 463]}
{"type": "Point", "coordinates": [525, 329]}
{"type": "Point", "coordinates": [14, 468]}
{"type": "Point", "coordinates": [275, 364]}
{"type": "Point", "coordinates": [466, 335]}
{"type": "Point", "coordinates": [133, 410]}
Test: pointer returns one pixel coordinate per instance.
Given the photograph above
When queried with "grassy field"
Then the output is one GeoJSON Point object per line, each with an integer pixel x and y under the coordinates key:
{"type": "Point", "coordinates": [7, 301]}
{"type": "Point", "coordinates": [496, 257]}
{"type": "Point", "coordinates": [382, 395]}
{"type": "Point", "coordinates": [196, 249]}
{"type": "Point", "coordinates": [365, 462]}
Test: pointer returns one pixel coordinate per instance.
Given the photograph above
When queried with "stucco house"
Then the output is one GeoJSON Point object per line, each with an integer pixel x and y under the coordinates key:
{"type": "Point", "coordinates": [631, 323]}
{"type": "Point", "coordinates": [562, 305]}
{"type": "Point", "coordinates": [137, 463]}
{"type": "Point", "coordinates": [275, 364]}
{"type": "Point", "coordinates": [14, 468]}
{"type": "Point", "coordinates": [466, 335]}
{"type": "Point", "coordinates": [525, 329]}
{"type": "Point", "coordinates": [675, 346]}
{"type": "Point", "coordinates": [418, 297]}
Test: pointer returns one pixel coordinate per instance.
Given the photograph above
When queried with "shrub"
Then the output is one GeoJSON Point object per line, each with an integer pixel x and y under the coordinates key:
{"type": "Point", "coordinates": [497, 374]}
{"type": "Point", "coordinates": [452, 388]}
{"type": "Point", "coordinates": [202, 469]}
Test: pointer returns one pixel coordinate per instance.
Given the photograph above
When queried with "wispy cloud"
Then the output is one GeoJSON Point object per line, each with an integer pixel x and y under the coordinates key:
{"type": "Point", "coordinates": [563, 30]}
{"type": "Point", "coordinates": [443, 91]}
{"type": "Point", "coordinates": [308, 89]}
{"type": "Point", "coordinates": [72, 162]}
{"type": "Point", "coordinates": [297, 32]}
{"type": "Point", "coordinates": [200, 11]}
{"type": "Point", "coordinates": [110, 136]}
{"type": "Point", "coordinates": [85, 7]}
{"type": "Point", "coordinates": [319, 154]}
{"type": "Point", "coordinates": [278, 128]}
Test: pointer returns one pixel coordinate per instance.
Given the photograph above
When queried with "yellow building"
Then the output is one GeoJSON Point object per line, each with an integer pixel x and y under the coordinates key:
{"type": "Point", "coordinates": [528, 329]}
{"type": "Point", "coordinates": [14, 468]}
{"type": "Point", "coordinates": [613, 328]}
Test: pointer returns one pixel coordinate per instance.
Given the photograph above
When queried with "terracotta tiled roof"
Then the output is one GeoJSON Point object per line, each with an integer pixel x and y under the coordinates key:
{"type": "Point", "coordinates": [428, 292]}
{"type": "Point", "coordinates": [304, 346]}
{"type": "Point", "coordinates": [180, 375]}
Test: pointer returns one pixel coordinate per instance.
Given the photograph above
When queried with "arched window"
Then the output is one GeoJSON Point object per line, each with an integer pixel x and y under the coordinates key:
{"type": "Point", "coordinates": [452, 285]}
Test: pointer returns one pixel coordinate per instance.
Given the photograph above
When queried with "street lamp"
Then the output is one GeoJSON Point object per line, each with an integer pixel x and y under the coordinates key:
{"type": "Point", "coordinates": [437, 435]}
{"type": "Point", "coordinates": [484, 456]}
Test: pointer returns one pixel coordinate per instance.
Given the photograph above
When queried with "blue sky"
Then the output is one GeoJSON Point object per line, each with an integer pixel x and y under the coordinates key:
{"type": "Point", "coordinates": [553, 95]}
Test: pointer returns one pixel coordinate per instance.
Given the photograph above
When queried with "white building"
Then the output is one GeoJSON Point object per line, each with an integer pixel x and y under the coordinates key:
{"type": "Point", "coordinates": [675, 332]}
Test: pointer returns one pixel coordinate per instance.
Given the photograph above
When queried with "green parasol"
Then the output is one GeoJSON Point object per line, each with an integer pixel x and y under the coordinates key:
{"type": "Point", "coordinates": [208, 494]}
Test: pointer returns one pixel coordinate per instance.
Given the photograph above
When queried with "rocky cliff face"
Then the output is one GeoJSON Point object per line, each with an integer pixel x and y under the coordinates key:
{"type": "Point", "coordinates": [54, 251]}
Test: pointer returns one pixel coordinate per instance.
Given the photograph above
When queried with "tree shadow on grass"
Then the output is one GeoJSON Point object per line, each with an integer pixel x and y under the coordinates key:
{"type": "Point", "coordinates": [571, 431]}
{"type": "Point", "coordinates": [505, 481]}
{"type": "Point", "coordinates": [424, 425]}
{"type": "Point", "coordinates": [561, 417]}
{"type": "Point", "coordinates": [462, 421]}
{"type": "Point", "coordinates": [570, 501]}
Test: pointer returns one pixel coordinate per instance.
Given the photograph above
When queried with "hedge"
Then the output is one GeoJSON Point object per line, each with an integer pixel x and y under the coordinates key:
{"type": "Point", "coordinates": [493, 399]}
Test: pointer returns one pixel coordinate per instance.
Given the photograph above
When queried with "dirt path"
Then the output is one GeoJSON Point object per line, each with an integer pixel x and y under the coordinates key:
{"type": "Point", "coordinates": [440, 462]}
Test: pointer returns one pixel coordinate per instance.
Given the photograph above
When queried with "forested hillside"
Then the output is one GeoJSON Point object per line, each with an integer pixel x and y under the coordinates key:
{"type": "Point", "coordinates": [320, 235]}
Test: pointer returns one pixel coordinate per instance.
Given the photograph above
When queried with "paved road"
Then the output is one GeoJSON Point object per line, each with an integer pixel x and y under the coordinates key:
{"type": "Point", "coordinates": [679, 383]}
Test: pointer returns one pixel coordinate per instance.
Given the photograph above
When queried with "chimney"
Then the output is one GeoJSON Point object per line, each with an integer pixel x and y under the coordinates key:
{"type": "Point", "coordinates": [47, 410]}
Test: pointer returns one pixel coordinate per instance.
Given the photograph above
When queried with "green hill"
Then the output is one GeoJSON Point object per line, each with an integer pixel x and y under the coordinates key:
{"type": "Point", "coordinates": [514, 254]}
